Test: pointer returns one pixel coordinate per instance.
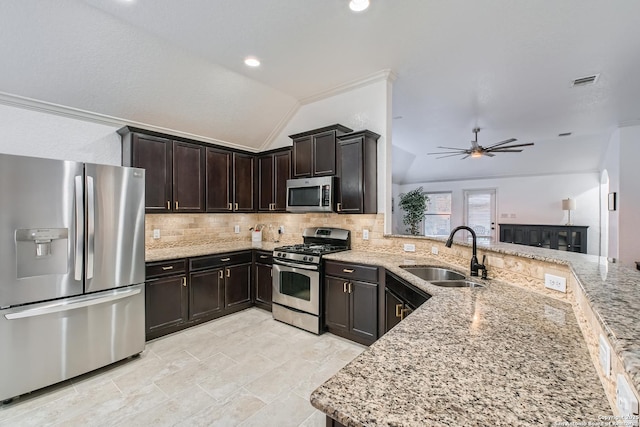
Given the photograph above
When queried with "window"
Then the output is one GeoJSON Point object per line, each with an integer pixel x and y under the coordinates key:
{"type": "Point", "coordinates": [437, 218]}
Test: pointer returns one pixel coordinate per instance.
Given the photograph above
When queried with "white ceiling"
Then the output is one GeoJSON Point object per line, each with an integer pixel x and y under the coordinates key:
{"type": "Point", "coordinates": [502, 65]}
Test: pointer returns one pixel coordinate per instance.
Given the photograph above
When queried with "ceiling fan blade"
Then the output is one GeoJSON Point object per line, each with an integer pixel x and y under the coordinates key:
{"type": "Point", "coordinates": [449, 152]}
{"type": "Point", "coordinates": [451, 155]}
{"type": "Point", "coordinates": [506, 141]}
{"type": "Point", "coordinates": [511, 146]}
{"type": "Point", "coordinates": [451, 148]}
{"type": "Point", "coordinates": [486, 153]}
{"type": "Point", "coordinates": [465, 157]}
{"type": "Point", "coordinates": [506, 151]}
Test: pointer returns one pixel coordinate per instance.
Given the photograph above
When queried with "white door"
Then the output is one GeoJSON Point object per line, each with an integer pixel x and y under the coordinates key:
{"type": "Point", "coordinates": [480, 213]}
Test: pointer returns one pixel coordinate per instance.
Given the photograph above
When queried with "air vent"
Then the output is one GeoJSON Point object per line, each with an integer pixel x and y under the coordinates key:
{"type": "Point", "coordinates": [564, 134]}
{"type": "Point", "coordinates": [584, 81]}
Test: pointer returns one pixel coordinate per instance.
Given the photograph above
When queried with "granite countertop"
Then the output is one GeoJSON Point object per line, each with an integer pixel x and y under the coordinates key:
{"type": "Point", "coordinates": [210, 249]}
{"type": "Point", "coordinates": [498, 355]}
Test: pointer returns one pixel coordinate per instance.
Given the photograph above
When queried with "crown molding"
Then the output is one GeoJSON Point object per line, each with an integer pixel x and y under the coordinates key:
{"type": "Point", "coordinates": [279, 127]}
{"type": "Point", "coordinates": [103, 119]}
{"type": "Point", "coordinates": [383, 75]}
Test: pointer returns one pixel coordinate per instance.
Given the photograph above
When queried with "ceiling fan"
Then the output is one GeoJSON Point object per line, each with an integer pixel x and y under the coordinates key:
{"type": "Point", "coordinates": [479, 151]}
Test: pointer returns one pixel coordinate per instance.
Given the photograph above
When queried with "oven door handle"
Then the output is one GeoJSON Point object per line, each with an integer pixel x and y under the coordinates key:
{"type": "Point", "coordinates": [294, 265]}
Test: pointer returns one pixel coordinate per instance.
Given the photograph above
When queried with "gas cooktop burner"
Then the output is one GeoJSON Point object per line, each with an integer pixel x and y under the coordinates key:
{"type": "Point", "coordinates": [312, 248]}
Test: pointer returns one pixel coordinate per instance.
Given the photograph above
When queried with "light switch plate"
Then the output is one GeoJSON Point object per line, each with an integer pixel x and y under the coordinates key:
{"type": "Point", "coordinates": [605, 356]}
{"type": "Point", "coordinates": [408, 247]}
{"type": "Point", "coordinates": [156, 233]}
{"type": "Point", "coordinates": [365, 234]}
{"type": "Point", "coordinates": [556, 283]}
{"type": "Point", "coordinates": [236, 229]}
{"type": "Point", "coordinates": [434, 250]}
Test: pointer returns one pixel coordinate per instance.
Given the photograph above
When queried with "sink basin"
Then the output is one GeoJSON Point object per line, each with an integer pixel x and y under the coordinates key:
{"type": "Point", "coordinates": [456, 284]}
{"type": "Point", "coordinates": [434, 273]}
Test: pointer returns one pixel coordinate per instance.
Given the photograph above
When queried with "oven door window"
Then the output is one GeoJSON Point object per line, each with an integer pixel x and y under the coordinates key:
{"type": "Point", "coordinates": [295, 285]}
{"type": "Point", "coordinates": [304, 196]}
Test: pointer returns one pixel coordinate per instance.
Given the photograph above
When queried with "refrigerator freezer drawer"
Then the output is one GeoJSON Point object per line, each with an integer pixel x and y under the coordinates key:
{"type": "Point", "coordinates": [46, 343]}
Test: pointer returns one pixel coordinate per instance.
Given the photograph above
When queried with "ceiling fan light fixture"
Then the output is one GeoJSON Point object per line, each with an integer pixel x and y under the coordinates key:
{"type": "Point", "coordinates": [476, 154]}
{"type": "Point", "coordinates": [358, 5]}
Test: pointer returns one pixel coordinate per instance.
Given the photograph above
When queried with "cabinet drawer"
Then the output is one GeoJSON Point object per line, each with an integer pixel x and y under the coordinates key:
{"type": "Point", "coordinates": [219, 260]}
{"type": "Point", "coordinates": [263, 257]}
{"type": "Point", "coordinates": [165, 268]}
{"type": "Point", "coordinates": [365, 273]}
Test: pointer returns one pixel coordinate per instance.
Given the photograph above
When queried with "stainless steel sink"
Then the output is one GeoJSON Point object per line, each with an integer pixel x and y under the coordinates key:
{"type": "Point", "coordinates": [456, 284]}
{"type": "Point", "coordinates": [434, 273]}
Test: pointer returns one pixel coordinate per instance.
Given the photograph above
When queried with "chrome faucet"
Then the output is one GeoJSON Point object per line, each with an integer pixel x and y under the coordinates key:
{"type": "Point", "coordinates": [475, 265]}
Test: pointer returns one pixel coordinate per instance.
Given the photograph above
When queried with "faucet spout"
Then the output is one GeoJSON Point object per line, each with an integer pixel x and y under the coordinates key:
{"type": "Point", "coordinates": [475, 265]}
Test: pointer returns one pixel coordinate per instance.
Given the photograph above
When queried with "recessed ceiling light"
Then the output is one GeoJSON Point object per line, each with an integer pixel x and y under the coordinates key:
{"type": "Point", "coordinates": [252, 61]}
{"type": "Point", "coordinates": [358, 5]}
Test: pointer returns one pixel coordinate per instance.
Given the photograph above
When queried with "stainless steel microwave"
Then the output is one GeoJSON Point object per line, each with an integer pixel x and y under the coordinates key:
{"type": "Point", "coordinates": [310, 194]}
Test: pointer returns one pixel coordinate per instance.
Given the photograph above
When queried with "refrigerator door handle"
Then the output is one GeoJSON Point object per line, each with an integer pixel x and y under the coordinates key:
{"type": "Point", "coordinates": [91, 226]}
{"type": "Point", "coordinates": [79, 229]}
{"type": "Point", "coordinates": [66, 305]}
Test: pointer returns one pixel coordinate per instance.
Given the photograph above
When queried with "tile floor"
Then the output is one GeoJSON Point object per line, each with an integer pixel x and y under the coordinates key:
{"type": "Point", "coordinates": [245, 369]}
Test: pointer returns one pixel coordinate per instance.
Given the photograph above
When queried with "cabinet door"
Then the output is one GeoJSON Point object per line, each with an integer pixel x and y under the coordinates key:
{"type": "Point", "coordinates": [282, 172]}
{"type": "Point", "coordinates": [154, 155]}
{"type": "Point", "coordinates": [336, 303]}
{"type": "Point", "coordinates": [206, 293]}
{"type": "Point", "coordinates": [265, 183]}
{"type": "Point", "coordinates": [218, 183]}
{"type": "Point", "coordinates": [520, 235]}
{"type": "Point", "coordinates": [188, 177]}
{"type": "Point", "coordinates": [302, 157]}
{"type": "Point", "coordinates": [364, 310]}
{"type": "Point", "coordinates": [324, 153]}
{"type": "Point", "coordinates": [351, 176]}
{"type": "Point", "coordinates": [263, 284]}
{"type": "Point", "coordinates": [243, 180]}
{"type": "Point", "coordinates": [165, 303]}
{"type": "Point", "coordinates": [393, 309]}
{"type": "Point", "coordinates": [237, 285]}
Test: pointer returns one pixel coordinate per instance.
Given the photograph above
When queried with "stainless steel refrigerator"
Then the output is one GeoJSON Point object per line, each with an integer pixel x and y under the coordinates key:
{"type": "Point", "coordinates": [71, 269]}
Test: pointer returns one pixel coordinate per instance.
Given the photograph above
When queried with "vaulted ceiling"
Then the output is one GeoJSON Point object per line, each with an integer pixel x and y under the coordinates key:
{"type": "Point", "coordinates": [502, 65]}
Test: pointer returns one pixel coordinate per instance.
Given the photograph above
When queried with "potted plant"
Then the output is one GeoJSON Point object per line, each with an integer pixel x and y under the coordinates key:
{"type": "Point", "coordinates": [414, 204]}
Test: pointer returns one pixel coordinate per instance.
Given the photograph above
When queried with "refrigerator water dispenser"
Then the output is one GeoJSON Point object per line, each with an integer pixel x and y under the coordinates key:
{"type": "Point", "coordinates": [48, 246]}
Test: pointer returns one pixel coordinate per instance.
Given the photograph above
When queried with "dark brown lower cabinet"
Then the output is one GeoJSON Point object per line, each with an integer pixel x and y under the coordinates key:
{"type": "Point", "coordinates": [572, 238]}
{"type": "Point", "coordinates": [206, 293]}
{"type": "Point", "coordinates": [263, 286]}
{"type": "Point", "coordinates": [166, 305]}
{"type": "Point", "coordinates": [333, 423]}
{"type": "Point", "coordinates": [181, 293]}
{"type": "Point", "coordinates": [400, 300]}
{"type": "Point", "coordinates": [351, 309]}
{"type": "Point", "coordinates": [237, 287]}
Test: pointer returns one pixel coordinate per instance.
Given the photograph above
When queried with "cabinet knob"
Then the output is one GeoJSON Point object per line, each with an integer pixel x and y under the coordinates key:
{"type": "Point", "coordinates": [339, 207]}
{"type": "Point", "coordinates": [230, 207]}
{"type": "Point", "coordinates": [168, 268]}
{"type": "Point", "coordinates": [228, 272]}
{"type": "Point", "coordinates": [236, 206]}
{"type": "Point", "coordinates": [168, 205]}
{"type": "Point", "coordinates": [220, 275]}
{"type": "Point", "coordinates": [177, 205]}
{"type": "Point", "coordinates": [347, 270]}
{"type": "Point", "coordinates": [344, 287]}
{"type": "Point", "coordinates": [184, 281]}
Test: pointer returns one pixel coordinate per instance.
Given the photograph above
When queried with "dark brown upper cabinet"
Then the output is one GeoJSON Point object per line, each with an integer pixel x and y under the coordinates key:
{"type": "Point", "coordinates": [174, 177]}
{"type": "Point", "coordinates": [230, 181]}
{"type": "Point", "coordinates": [357, 167]}
{"type": "Point", "coordinates": [274, 169]}
{"type": "Point", "coordinates": [188, 177]}
{"type": "Point", "coordinates": [314, 152]}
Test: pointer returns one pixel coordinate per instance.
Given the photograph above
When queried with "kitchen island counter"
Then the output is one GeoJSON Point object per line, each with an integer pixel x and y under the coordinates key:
{"type": "Point", "coordinates": [498, 355]}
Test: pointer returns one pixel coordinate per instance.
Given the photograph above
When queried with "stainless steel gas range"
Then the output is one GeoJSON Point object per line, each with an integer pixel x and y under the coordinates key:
{"type": "Point", "coordinates": [297, 276]}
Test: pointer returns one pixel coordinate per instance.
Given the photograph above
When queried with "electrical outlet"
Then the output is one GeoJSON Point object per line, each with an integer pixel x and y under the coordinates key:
{"type": "Point", "coordinates": [365, 234]}
{"type": "Point", "coordinates": [236, 229]}
{"type": "Point", "coordinates": [556, 283]}
{"type": "Point", "coordinates": [408, 247]}
{"type": "Point", "coordinates": [626, 401]}
{"type": "Point", "coordinates": [434, 250]}
{"type": "Point", "coordinates": [156, 233]}
{"type": "Point", "coordinates": [281, 229]}
{"type": "Point", "coordinates": [605, 356]}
